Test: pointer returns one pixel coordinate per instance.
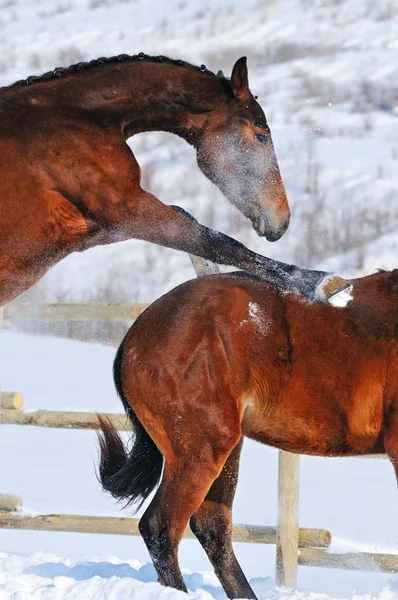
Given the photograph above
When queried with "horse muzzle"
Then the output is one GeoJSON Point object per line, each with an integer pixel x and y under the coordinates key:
{"type": "Point", "coordinates": [271, 231]}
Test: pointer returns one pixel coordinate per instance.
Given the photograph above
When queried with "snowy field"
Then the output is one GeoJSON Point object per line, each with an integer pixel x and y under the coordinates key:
{"type": "Point", "coordinates": [53, 471]}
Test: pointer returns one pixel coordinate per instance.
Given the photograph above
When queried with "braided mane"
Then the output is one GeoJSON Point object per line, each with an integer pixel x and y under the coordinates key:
{"type": "Point", "coordinates": [83, 66]}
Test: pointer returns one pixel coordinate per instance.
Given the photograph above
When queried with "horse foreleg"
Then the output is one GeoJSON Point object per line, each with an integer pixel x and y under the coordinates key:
{"type": "Point", "coordinates": [212, 525]}
{"type": "Point", "coordinates": [184, 485]}
{"type": "Point", "coordinates": [153, 221]}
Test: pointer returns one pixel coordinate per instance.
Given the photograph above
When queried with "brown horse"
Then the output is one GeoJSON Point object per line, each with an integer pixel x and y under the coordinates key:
{"type": "Point", "coordinates": [227, 356]}
{"type": "Point", "coordinates": [69, 181]}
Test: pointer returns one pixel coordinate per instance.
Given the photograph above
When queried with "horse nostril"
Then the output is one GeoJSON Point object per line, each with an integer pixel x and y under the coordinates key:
{"type": "Point", "coordinates": [273, 236]}
{"type": "Point", "coordinates": [273, 233]}
{"type": "Point", "coordinates": [282, 228]}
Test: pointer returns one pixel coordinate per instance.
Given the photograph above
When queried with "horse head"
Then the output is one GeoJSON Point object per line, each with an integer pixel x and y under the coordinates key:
{"type": "Point", "coordinates": [235, 151]}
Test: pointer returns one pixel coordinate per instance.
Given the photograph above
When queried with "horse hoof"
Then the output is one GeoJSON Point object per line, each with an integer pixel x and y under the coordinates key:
{"type": "Point", "coordinates": [334, 289]}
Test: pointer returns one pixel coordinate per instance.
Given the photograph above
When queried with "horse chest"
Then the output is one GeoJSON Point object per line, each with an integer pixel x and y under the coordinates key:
{"type": "Point", "coordinates": [47, 229]}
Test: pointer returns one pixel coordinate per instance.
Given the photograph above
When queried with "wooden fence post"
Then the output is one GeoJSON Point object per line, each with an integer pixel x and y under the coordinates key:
{"type": "Point", "coordinates": [287, 542]}
{"type": "Point", "coordinates": [203, 267]}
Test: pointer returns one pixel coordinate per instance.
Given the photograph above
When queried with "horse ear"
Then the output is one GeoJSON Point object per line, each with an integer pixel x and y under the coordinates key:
{"type": "Point", "coordinates": [239, 79]}
{"type": "Point", "coordinates": [220, 74]}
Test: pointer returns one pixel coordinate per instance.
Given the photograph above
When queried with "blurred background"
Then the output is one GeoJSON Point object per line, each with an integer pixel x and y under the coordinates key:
{"type": "Point", "coordinates": [326, 73]}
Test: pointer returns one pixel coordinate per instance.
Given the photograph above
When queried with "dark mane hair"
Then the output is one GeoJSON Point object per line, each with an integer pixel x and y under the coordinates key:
{"type": "Point", "coordinates": [83, 66]}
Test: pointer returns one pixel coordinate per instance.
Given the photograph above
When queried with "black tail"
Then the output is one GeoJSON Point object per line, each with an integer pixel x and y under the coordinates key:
{"type": "Point", "coordinates": [130, 476]}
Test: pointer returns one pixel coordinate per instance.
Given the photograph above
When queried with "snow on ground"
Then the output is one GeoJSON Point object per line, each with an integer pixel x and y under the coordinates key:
{"type": "Point", "coordinates": [53, 471]}
{"type": "Point", "coordinates": [47, 577]}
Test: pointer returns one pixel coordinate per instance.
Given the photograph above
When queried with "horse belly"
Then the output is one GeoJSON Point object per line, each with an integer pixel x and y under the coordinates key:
{"type": "Point", "coordinates": [294, 433]}
{"type": "Point", "coordinates": [319, 428]}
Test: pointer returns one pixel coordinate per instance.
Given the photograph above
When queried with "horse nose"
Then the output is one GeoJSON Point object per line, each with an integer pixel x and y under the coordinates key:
{"type": "Point", "coordinates": [275, 208]}
{"type": "Point", "coordinates": [281, 229]}
{"type": "Point", "coordinates": [271, 228]}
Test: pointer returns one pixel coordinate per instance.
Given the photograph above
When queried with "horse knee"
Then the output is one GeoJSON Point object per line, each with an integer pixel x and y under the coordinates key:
{"type": "Point", "coordinates": [150, 531]}
{"type": "Point", "coordinates": [212, 526]}
{"type": "Point", "coordinates": [157, 534]}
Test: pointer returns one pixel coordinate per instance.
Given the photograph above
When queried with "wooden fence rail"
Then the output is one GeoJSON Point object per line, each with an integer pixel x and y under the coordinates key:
{"type": "Point", "coordinates": [10, 400]}
{"type": "Point", "coordinates": [72, 312]}
{"type": "Point", "coordinates": [62, 419]}
{"type": "Point", "coordinates": [295, 546]}
{"type": "Point", "coordinates": [9, 502]}
{"type": "Point", "coordinates": [253, 534]}
{"type": "Point", "coordinates": [351, 561]}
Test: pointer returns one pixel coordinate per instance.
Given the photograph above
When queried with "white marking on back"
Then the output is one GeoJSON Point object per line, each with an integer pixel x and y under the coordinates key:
{"type": "Point", "coordinates": [261, 319]}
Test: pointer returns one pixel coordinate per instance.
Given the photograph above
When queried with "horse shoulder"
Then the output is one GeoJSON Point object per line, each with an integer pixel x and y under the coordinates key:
{"type": "Point", "coordinates": [92, 167]}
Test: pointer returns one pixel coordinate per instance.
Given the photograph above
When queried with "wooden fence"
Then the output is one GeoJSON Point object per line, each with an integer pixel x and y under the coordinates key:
{"type": "Point", "coordinates": [294, 546]}
{"type": "Point", "coordinates": [73, 312]}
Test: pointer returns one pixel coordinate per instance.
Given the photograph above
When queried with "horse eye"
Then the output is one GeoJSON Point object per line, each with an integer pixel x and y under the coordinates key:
{"type": "Point", "coordinates": [262, 137]}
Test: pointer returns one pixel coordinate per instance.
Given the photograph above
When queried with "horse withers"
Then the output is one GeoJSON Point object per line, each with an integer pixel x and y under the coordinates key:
{"type": "Point", "coordinates": [227, 356]}
{"type": "Point", "coordinates": [70, 181]}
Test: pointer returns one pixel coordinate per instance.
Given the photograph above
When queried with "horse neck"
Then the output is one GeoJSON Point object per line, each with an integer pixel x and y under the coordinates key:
{"type": "Point", "coordinates": [171, 98]}
{"type": "Point", "coordinates": [139, 96]}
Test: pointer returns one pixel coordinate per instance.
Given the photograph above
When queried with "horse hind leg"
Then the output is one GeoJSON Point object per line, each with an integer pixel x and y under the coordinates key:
{"type": "Point", "coordinates": [185, 483]}
{"type": "Point", "coordinates": [391, 439]}
{"type": "Point", "coordinates": [212, 525]}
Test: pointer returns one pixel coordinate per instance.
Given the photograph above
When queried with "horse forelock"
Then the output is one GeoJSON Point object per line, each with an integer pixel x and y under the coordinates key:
{"type": "Point", "coordinates": [59, 72]}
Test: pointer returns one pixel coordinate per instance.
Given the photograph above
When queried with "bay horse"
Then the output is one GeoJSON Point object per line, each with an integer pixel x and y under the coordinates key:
{"type": "Point", "coordinates": [69, 181]}
{"type": "Point", "coordinates": [227, 356]}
